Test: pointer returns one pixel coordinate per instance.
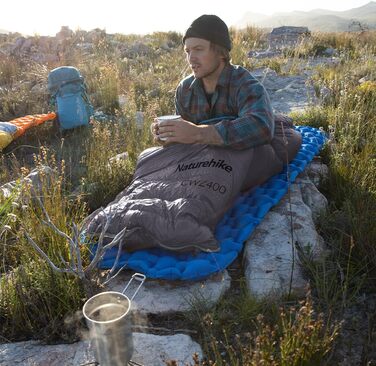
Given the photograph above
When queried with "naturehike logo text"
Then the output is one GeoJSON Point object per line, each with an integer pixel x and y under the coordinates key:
{"type": "Point", "coordinates": [205, 164]}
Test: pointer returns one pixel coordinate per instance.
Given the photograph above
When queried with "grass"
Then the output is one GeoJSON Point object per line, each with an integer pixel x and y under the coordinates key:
{"type": "Point", "coordinates": [239, 330]}
{"type": "Point", "coordinates": [352, 183]}
{"type": "Point", "coordinates": [243, 330]}
{"type": "Point", "coordinates": [34, 300]}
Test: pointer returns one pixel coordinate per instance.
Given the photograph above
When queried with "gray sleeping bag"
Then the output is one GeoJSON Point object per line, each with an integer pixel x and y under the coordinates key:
{"type": "Point", "coordinates": [180, 192]}
{"type": "Point", "coordinates": [177, 196]}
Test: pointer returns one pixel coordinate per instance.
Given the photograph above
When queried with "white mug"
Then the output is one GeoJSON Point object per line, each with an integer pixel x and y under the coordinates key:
{"type": "Point", "coordinates": [162, 119]}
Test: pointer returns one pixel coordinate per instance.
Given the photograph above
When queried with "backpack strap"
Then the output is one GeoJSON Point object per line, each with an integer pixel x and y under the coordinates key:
{"type": "Point", "coordinates": [86, 99]}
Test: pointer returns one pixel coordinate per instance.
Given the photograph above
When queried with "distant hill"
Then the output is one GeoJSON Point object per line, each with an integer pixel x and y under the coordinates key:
{"type": "Point", "coordinates": [316, 20]}
{"type": "Point", "coordinates": [3, 31]}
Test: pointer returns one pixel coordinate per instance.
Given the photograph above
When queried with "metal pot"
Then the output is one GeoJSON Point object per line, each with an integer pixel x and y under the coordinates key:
{"type": "Point", "coordinates": [107, 316]}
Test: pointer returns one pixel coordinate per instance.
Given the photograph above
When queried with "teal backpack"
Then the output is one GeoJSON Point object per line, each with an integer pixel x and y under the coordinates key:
{"type": "Point", "coordinates": [68, 95]}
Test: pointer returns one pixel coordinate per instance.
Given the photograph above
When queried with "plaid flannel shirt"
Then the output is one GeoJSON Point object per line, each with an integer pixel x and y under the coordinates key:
{"type": "Point", "coordinates": [238, 97]}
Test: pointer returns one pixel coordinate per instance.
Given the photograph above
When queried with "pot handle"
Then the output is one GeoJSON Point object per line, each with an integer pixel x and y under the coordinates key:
{"type": "Point", "coordinates": [138, 277]}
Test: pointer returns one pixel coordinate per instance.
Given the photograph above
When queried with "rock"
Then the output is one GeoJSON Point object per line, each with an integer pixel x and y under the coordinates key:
{"type": "Point", "coordinates": [119, 158]}
{"type": "Point", "coordinates": [44, 58]}
{"type": "Point", "coordinates": [312, 197]}
{"type": "Point", "coordinates": [122, 100]}
{"type": "Point", "coordinates": [44, 43]}
{"type": "Point", "coordinates": [25, 85]}
{"type": "Point", "coordinates": [116, 162]}
{"type": "Point", "coordinates": [325, 93]}
{"type": "Point", "coordinates": [165, 46]}
{"type": "Point", "coordinates": [364, 79]}
{"type": "Point", "coordinates": [149, 350]}
{"type": "Point", "coordinates": [163, 297]}
{"type": "Point", "coordinates": [270, 260]}
{"type": "Point", "coordinates": [34, 179]}
{"type": "Point", "coordinates": [95, 35]}
{"type": "Point", "coordinates": [19, 42]}
{"type": "Point", "coordinates": [263, 72]}
{"type": "Point", "coordinates": [137, 49]}
{"type": "Point", "coordinates": [81, 34]}
{"type": "Point", "coordinates": [263, 54]}
{"type": "Point", "coordinates": [100, 116]}
{"type": "Point", "coordinates": [154, 350]}
{"type": "Point", "coordinates": [287, 93]}
{"type": "Point", "coordinates": [84, 189]}
{"type": "Point", "coordinates": [65, 33]}
{"type": "Point", "coordinates": [287, 36]}
{"type": "Point", "coordinates": [26, 45]}
{"type": "Point", "coordinates": [356, 341]}
{"type": "Point", "coordinates": [85, 47]}
{"type": "Point", "coordinates": [39, 89]}
{"type": "Point", "coordinates": [6, 49]}
{"type": "Point", "coordinates": [304, 231]}
{"type": "Point", "coordinates": [34, 353]}
{"type": "Point", "coordinates": [317, 172]}
{"type": "Point", "coordinates": [139, 119]}
{"type": "Point", "coordinates": [329, 52]}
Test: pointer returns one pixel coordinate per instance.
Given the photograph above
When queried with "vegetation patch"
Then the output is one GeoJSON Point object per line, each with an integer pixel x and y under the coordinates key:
{"type": "Point", "coordinates": [37, 302]}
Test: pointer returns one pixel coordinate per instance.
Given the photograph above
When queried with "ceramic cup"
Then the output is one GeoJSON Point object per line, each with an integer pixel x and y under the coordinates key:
{"type": "Point", "coordinates": [163, 119]}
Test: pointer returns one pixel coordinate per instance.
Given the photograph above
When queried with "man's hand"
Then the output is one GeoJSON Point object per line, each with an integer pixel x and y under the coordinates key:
{"type": "Point", "coordinates": [185, 132]}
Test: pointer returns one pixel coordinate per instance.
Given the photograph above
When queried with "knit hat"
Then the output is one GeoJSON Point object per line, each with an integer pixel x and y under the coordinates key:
{"type": "Point", "coordinates": [211, 28]}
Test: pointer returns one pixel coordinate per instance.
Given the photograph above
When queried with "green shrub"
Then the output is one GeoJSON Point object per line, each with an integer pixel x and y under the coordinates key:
{"type": "Point", "coordinates": [292, 336]}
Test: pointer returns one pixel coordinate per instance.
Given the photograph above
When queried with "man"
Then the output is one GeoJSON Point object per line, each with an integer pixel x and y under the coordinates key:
{"type": "Point", "coordinates": [223, 104]}
{"type": "Point", "coordinates": [222, 144]}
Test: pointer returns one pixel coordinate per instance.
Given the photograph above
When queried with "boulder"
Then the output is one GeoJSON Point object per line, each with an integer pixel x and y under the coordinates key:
{"type": "Point", "coordinates": [287, 36]}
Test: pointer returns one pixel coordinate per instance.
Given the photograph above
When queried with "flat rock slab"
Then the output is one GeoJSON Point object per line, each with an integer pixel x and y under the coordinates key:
{"type": "Point", "coordinates": [34, 353]}
{"type": "Point", "coordinates": [163, 297]}
{"type": "Point", "coordinates": [153, 350]}
{"type": "Point", "coordinates": [287, 93]}
{"type": "Point", "coordinates": [149, 350]}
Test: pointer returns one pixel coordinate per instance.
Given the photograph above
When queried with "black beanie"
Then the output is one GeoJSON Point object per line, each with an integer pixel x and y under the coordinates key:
{"type": "Point", "coordinates": [211, 28]}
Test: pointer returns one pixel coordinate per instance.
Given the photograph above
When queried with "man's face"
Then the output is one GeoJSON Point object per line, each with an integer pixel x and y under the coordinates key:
{"type": "Point", "coordinates": [202, 59]}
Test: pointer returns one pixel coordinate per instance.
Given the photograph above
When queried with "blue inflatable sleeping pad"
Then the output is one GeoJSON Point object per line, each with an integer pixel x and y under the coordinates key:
{"type": "Point", "coordinates": [235, 227]}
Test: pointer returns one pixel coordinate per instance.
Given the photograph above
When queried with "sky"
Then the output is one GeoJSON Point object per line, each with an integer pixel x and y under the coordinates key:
{"type": "Point", "coordinates": [141, 16]}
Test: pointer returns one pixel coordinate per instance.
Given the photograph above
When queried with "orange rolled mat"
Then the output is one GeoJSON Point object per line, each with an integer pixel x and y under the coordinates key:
{"type": "Point", "coordinates": [24, 123]}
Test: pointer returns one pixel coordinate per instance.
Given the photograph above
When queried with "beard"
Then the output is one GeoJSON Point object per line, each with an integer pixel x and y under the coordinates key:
{"type": "Point", "coordinates": [211, 71]}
